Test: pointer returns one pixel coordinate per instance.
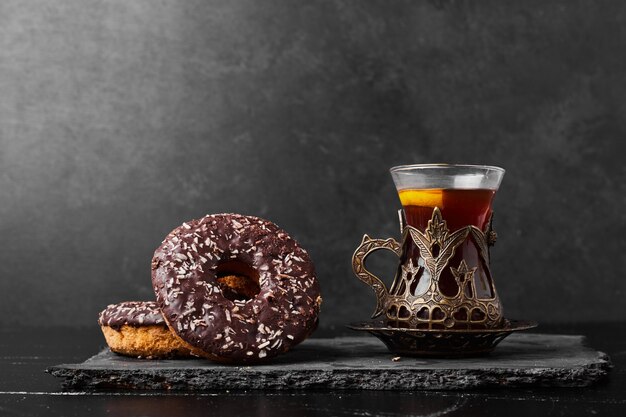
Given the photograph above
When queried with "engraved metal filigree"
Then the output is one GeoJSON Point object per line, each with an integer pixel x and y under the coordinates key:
{"type": "Point", "coordinates": [367, 246]}
{"type": "Point", "coordinates": [416, 299]}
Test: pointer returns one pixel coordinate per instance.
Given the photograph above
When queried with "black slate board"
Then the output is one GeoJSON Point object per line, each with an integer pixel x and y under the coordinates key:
{"type": "Point", "coordinates": [354, 363]}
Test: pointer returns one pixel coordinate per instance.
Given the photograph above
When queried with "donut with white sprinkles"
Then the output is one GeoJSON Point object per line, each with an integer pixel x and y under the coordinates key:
{"type": "Point", "coordinates": [237, 289]}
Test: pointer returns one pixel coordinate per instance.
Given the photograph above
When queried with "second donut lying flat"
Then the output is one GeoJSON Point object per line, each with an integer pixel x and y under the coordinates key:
{"type": "Point", "coordinates": [137, 328]}
{"type": "Point", "coordinates": [233, 324]}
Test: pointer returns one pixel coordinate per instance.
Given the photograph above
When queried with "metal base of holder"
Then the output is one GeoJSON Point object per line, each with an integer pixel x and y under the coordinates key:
{"type": "Point", "coordinates": [451, 343]}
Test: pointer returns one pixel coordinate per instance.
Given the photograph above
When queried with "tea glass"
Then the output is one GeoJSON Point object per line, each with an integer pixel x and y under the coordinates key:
{"type": "Point", "coordinates": [443, 280]}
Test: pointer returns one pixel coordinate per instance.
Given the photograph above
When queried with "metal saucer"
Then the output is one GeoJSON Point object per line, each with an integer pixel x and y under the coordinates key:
{"type": "Point", "coordinates": [450, 343]}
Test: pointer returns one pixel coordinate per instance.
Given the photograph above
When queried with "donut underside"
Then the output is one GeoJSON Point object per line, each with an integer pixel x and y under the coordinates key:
{"type": "Point", "coordinates": [149, 341]}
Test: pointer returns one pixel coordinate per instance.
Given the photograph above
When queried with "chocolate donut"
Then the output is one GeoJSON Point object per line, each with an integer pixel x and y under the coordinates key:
{"type": "Point", "coordinates": [198, 259]}
{"type": "Point", "coordinates": [137, 328]}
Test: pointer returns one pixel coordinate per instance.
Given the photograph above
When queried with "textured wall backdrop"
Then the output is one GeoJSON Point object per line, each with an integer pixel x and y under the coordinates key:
{"type": "Point", "coordinates": [121, 119]}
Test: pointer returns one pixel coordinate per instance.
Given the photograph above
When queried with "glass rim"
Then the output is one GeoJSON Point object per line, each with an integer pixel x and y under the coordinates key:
{"type": "Point", "coordinates": [409, 167]}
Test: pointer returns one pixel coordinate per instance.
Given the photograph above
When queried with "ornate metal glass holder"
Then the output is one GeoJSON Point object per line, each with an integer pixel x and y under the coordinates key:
{"type": "Point", "coordinates": [440, 303]}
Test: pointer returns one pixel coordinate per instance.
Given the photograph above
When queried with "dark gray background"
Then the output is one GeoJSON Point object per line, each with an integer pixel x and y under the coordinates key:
{"type": "Point", "coordinates": [121, 119]}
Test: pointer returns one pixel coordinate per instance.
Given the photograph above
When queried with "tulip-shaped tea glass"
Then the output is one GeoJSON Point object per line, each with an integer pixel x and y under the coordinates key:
{"type": "Point", "coordinates": [443, 285]}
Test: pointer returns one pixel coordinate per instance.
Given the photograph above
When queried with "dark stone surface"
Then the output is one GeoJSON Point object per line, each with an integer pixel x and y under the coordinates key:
{"type": "Point", "coordinates": [355, 363]}
{"type": "Point", "coordinates": [25, 390]}
{"type": "Point", "coordinates": [119, 120]}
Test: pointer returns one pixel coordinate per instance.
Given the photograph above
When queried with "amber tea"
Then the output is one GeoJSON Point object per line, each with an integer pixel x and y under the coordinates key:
{"type": "Point", "coordinates": [458, 207]}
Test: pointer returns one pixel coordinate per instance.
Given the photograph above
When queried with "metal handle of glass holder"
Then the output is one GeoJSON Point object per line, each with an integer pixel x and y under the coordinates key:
{"type": "Point", "coordinates": [367, 246]}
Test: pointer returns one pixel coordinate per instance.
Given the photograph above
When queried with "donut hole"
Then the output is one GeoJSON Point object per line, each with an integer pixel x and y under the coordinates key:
{"type": "Point", "coordinates": [237, 280]}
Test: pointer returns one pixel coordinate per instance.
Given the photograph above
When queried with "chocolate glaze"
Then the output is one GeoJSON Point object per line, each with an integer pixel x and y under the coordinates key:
{"type": "Point", "coordinates": [184, 277]}
{"type": "Point", "coordinates": [131, 313]}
